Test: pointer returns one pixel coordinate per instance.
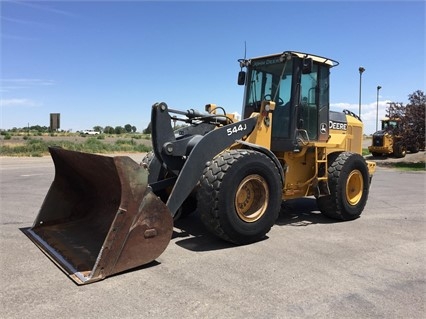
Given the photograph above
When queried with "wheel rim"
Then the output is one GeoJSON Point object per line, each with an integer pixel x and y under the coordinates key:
{"type": "Point", "coordinates": [251, 199]}
{"type": "Point", "coordinates": [354, 187]}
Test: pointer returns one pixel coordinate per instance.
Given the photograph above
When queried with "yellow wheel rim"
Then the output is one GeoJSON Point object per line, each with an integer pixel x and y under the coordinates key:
{"type": "Point", "coordinates": [251, 199]}
{"type": "Point", "coordinates": [354, 187]}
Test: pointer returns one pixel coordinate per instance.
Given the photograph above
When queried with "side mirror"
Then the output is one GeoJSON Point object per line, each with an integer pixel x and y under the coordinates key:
{"type": "Point", "coordinates": [241, 78]}
{"type": "Point", "coordinates": [307, 66]}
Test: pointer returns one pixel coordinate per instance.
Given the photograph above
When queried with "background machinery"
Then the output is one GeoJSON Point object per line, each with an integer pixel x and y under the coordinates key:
{"type": "Point", "coordinates": [396, 137]}
{"type": "Point", "coordinates": [103, 215]}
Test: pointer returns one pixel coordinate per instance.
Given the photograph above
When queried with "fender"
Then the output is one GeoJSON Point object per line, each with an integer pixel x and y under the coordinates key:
{"type": "Point", "coordinates": [268, 153]}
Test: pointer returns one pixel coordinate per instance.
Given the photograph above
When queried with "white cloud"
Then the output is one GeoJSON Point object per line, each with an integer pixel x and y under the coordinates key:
{"type": "Point", "coordinates": [7, 85]}
{"type": "Point", "coordinates": [27, 81]}
{"type": "Point", "coordinates": [342, 106]}
{"type": "Point", "coordinates": [18, 103]}
{"type": "Point", "coordinates": [45, 8]}
{"type": "Point", "coordinates": [369, 112]}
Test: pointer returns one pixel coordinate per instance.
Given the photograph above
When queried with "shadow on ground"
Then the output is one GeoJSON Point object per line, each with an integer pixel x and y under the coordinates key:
{"type": "Point", "coordinates": [191, 234]}
{"type": "Point", "coordinates": [302, 212]}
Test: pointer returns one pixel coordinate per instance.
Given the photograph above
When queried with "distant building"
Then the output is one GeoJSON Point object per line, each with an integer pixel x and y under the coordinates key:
{"type": "Point", "coordinates": [55, 121]}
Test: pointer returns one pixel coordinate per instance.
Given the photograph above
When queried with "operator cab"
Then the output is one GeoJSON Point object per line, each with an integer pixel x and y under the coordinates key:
{"type": "Point", "coordinates": [299, 85]}
{"type": "Point", "coordinates": [390, 125]}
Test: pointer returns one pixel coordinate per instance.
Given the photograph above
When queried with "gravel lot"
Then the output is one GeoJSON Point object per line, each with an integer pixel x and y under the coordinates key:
{"type": "Point", "coordinates": [308, 267]}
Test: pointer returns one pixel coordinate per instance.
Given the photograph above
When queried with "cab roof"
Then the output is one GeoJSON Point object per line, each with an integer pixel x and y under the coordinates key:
{"type": "Point", "coordinates": [314, 57]}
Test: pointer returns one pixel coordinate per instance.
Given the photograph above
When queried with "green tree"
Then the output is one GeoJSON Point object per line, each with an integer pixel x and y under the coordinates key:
{"type": "Point", "coordinates": [119, 130]}
{"type": "Point", "coordinates": [148, 129]}
{"type": "Point", "coordinates": [109, 130]}
{"type": "Point", "coordinates": [128, 128]}
{"type": "Point", "coordinates": [98, 128]}
{"type": "Point", "coordinates": [38, 128]}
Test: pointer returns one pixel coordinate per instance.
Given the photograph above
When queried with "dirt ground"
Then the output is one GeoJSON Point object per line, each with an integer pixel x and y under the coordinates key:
{"type": "Point", "coordinates": [389, 160]}
{"type": "Point", "coordinates": [409, 158]}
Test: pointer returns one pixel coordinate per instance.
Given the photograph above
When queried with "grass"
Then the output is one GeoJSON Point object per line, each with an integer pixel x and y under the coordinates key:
{"type": "Point", "coordinates": [38, 147]}
{"type": "Point", "coordinates": [420, 166]}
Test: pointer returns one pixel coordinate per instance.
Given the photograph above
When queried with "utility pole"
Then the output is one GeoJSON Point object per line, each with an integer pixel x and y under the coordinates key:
{"type": "Point", "coordinates": [361, 70]}
{"type": "Point", "coordinates": [377, 108]}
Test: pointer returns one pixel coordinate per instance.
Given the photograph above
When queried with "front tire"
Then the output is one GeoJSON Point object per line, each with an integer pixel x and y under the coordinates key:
{"type": "Point", "coordinates": [240, 196]}
{"type": "Point", "coordinates": [348, 181]}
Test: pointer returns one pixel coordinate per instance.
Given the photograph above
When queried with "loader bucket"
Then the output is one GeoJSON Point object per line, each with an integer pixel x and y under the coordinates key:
{"type": "Point", "coordinates": [100, 217]}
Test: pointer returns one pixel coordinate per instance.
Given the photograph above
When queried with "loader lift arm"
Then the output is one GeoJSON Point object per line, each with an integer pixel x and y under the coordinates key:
{"type": "Point", "coordinates": [186, 157]}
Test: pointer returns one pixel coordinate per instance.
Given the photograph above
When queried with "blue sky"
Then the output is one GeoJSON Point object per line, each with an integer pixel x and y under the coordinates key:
{"type": "Point", "coordinates": [106, 63]}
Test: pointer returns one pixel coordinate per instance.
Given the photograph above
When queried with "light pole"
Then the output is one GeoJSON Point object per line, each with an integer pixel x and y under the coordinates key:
{"type": "Point", "coordinates": [361, 70]}
{"type": "Point", "coordinates": [377, 108]}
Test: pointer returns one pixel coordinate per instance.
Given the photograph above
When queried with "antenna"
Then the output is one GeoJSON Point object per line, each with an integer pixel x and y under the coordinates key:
{"type": "Point", "coordinates": [243, 63]}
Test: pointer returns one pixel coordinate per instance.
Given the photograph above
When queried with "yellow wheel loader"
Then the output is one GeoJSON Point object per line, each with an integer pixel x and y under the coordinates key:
{"type": "Point", "coordinates": [396, 138]}
{"type": "Point", "coordinates": [389, 140]}
{"type": "Point", "coordinates": [104, 215]}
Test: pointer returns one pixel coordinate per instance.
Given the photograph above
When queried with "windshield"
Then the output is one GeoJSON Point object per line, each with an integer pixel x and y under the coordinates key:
{"type": "Point", "coordinates": [269, 79]}
{"type": "Point", "coordinates": [388, 125]}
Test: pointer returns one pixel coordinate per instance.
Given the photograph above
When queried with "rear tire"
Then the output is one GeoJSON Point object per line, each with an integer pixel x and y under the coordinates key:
{"type": "Point", "coordinates": [414, 148]}
{"type": "Point", "coordinates": [240, 196]}
{"type": "Point", "coordinates": [399, 150]}
{"type": "Point", "coordinates": [348, 180]}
